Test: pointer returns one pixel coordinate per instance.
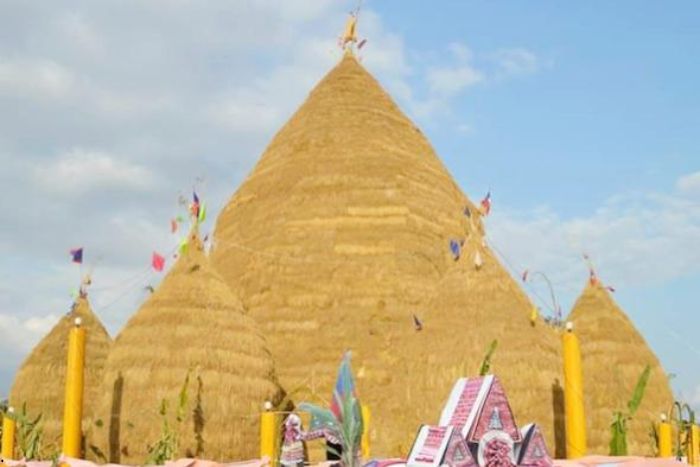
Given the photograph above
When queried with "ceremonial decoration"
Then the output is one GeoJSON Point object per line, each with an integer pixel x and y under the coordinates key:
{"type": "Point", "coordinates": [477, 428]}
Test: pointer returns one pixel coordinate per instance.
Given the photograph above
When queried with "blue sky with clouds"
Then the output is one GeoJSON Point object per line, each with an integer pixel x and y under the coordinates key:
{"type": "Point", "coordinates": [581, 118]}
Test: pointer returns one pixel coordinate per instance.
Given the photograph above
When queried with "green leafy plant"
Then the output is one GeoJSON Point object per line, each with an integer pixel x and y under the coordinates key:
{"type": "Point", "coordinates": [29, 433]}
{"type": "Point", "coordinates": [486, 362]}
{"type": "Point", "coordinates": [343, 421]}
{"type": "Point", "coordinates": [166, 447]}
{"type": "Point", "coordinates": [619, 425]}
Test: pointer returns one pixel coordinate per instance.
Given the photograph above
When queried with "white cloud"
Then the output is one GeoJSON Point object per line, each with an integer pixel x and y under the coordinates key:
{"type": "Point", "coordinates": [689, 184]}
{"type": "Point", "coordinates": [17, 336]}
{"type": "Point", "coordinates": [460, 51]}
{"type": "Point", "coordinates": [36, 79]}
{"type": "Point", "coordinates": [517, 61]}
{"type": "Point", "coordinates": [695, 399]}
{"type": "Point", "coordinates": [635, 239]}
{"type": "Point", "coordinates": [451, 81]}
{"type": "Point", "coordinates": [79, 171]}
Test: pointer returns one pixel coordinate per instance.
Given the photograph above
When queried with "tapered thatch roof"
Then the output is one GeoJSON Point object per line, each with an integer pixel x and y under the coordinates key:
{"type": "Point", "coordinates": [472, 307]}
{"type": "Point", "coordinates": [192, 322]}
{"type": "Point", "coordinates": [337, 236]}
{"type": "Point", "coordinates": [41, 380]}
{"type": "Point", "coordinates": [614, 355]}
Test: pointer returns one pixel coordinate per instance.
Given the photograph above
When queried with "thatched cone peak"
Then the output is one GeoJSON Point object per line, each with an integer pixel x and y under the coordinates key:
{"type": "Point", "coordinates": [41, 379]}
{"type": "Point", "coordinates": [192, 324]}
{"type": "Point", "coordinates": [336, 237]}
{"type": "Point", "coordinates": [614, 355]}
{"type": "Point", "coordinates": [474, 305]}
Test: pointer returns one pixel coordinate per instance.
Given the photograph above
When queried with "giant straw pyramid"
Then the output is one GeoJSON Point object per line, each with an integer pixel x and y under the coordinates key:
{"type": "Point", "coordinates": [336, 238]}
{"type": "Point", "coordinates": [614, 355]}
{"type": "Point", "coordinates": [41, 380]}
{"type": "Point", "coordinates": [193, 324]}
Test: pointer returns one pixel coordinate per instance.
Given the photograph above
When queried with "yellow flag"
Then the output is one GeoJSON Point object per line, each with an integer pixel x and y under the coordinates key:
{"type": "Point", "coordinates": [534, 313]}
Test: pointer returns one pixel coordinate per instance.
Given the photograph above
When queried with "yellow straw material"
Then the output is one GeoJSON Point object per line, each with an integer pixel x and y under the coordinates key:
{"type": "Point", "coordinates": [614, 355]}
{"type": "Point", "coordinates": [337, 236]}
{"type": "Point", "coordinates": [41, 380]}
{"type": "Point", "coordinates": [194, 324]}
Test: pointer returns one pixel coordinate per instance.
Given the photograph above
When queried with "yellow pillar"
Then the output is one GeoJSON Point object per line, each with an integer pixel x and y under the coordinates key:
{"type": "Point", "coordinates": [73, 405]}
{"type": "Point", "coordinates": [573, 395]}
{"type": "Point", "coordinates": [366, 417]}
{"type": "Point", "coordinates": [8, 435]}
{"type": "Point", "coordinates": [665, 438]}
{"type": "Point", "coordinates": [269, 434]}
{"type": "Point", "coordinates": [694, 445]}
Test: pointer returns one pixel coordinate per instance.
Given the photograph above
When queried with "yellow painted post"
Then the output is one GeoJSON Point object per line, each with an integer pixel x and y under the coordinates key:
{"type": "Point", "coordinates": [573, 395]}
{"type": "Point", "coordinates": [366, 418]}
{"type": "Point", "coordinates": [8, 435]}
{"type": "Point", "coordinates": [73, 405]}
{"type": "Point", "coordinates": [694, 445]}
{"type": "Point", "coordinates": [269, 434]}
{"type": "Point", "coordinates": [665, 438]}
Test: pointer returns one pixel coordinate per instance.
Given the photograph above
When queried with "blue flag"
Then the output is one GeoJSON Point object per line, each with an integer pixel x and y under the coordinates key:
{"type": "Point", "coordinates": [77, 255]}
{"type": "Point", "coordinates": [455, 249]}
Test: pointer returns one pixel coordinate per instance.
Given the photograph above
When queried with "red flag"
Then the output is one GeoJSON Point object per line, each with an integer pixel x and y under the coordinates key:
{"type": "Point", "coordinates": [173, 225]}
{"type": "Point", "coordinates": [158, 262]}
{"type": "Point", "coordinates": [486, 204]}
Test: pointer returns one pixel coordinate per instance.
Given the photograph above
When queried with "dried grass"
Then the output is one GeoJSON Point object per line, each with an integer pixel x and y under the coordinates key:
{"type": "Point", "coordinates": [41, 380]}
{"type": "Point", "coordinates": [192, 322]}
{"type": "Point", "coordinates": [474, 306]}
{"type": "Point", "coordinates": [614, 354]}
{"type": "Point", "coordinates": [339, 235]}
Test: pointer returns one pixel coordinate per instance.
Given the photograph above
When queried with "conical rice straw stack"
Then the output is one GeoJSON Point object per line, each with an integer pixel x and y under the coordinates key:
{"type": "Point", "coordinates": [41, 380]}
{"type": "Point", "coordinates": [473, 306]}
{"type": "Point", "coordinates": [614, 355]}
{"type": "Point", "coordinates": [192, 324]}
{"type": "Point", "coordinates": [336, 238]}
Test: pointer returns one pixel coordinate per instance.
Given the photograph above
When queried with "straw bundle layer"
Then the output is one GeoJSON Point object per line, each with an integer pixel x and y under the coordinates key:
{"type": "Point", "coordinates": [474, 306]}
{"type": "Point", "coordinates": [336, 238]}
{"type": "Point", "coordinates": [614, 355]}
{"type": "Point", "coordinates": [41, 380]}
{"type": "Point", "coordinates": [193, 324]}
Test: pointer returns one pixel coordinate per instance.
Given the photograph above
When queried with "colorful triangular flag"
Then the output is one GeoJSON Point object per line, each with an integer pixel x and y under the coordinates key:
{"type": "Point", "coordinates": [158, 262]}
{"type": "Point", "coordinates": [77, 254]}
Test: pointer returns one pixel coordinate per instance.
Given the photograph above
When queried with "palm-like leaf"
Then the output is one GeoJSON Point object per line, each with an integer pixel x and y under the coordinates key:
{"type": "Point", "coordinates": [639, 389]}
{"type": "Point", "coordinates": [486, 362]}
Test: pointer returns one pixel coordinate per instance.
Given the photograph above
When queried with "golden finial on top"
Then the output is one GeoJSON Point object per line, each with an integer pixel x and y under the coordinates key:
{"type": "Point", "coordinates": [349, 38]}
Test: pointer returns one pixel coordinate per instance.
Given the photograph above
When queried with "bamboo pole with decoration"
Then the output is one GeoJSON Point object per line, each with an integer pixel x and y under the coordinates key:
{"type": "Point", "coordinates": [694, 445]}
{"type": "Point", "coordinates": [573, 395]}
{"type": "Point", "coordinates": [8, 434]}
{"type": "Point", "coordinates": [366, 416]}
{"type": "Point", "coordinates": [73, 407]}
{"type": "Point", "coordinates": [269, 437]}
{"type": "Point", "coordinates": [665, 437]}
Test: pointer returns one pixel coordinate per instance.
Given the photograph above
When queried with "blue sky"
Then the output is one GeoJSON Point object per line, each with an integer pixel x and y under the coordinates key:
{"type": "Point", "coordinates": [581, 118]}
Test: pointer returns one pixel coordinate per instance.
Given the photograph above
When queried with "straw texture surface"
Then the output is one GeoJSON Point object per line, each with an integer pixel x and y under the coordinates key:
{"type": "Point", "coordinates": [191, 322]}
{"type": "Point", "coordinates": [41, 380]}
{"type": "Point", "coordinates": [472, 307]}
{"type": "Point", "coordinates": [614, 354]}
{"type": "Point", "coordinates": [337, 237]}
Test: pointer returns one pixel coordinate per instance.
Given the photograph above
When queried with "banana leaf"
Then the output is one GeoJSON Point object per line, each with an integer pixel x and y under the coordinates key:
{"type": "Point", "coordinates": [486, 362]}
{"type": "Point", "coordinates": [639, 389]}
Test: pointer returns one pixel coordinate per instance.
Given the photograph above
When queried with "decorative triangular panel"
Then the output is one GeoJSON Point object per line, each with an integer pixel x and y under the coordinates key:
{"type": "Point", "coordinates": [437, 446]}
{"type": "Point", "coordinates": [533, 451]}
{"type": "Point", "coordinates": [495, 414]}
